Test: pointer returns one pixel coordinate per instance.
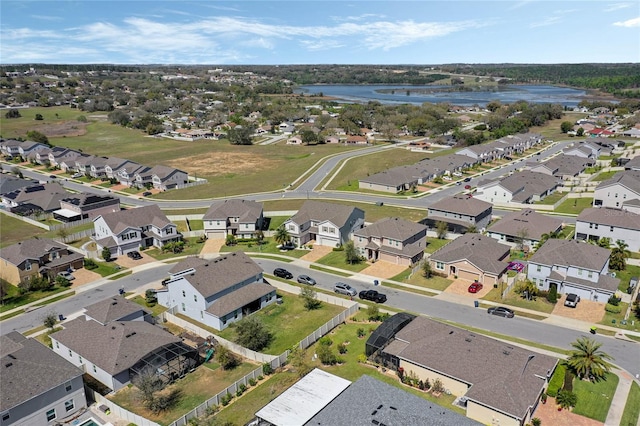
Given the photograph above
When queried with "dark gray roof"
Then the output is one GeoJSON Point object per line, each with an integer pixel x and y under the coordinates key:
{"type": "Point", "coordinates": [29, 369]}
{"type": "Point", "coordinates": [523, 185]}
{"type": "Point", "coordinates": [563, 165]}
{"type": "Point", "coordinates": [215, 275]}
{"type": "Point", "coordinates": [605, 282]}
{"type": "Point", "coordinates": [610, 217]}
{"type": "Point", "coordinates": [114, 347]}
{"type": "Point", "coordinates": [370, 399]}
{"type": "Point", "coordinates": [246, 210]}
{"type": "Point", "coordinates": [138, 217]}
{"type": "Point", "coordinates": [461, 204]}
{"type": "Point", "coordinates": [12, 183]}
{"type": "Point", "coordinates": [483, 252]}
{"type": "Point", "coordinates": [31, 249]}
{"type": "Point", "coordinates": [627, 178]}
{"type": "Point", "coordinates": [502, 376]}
{"type": "Point", "coordinates": [535, 224]}
{"type": "Point", "coordinates": [239, 298]}
{"type": "Point", "coordinates": [188, 263]}
{"type": "Point", "coordinates": [319, 211]}
{"type": "Point", "coordinates": [571, 253]}
{"type": "Point", "coordinates": [112, 309]}
{"type": "Point", "coordinates": [392, 228]}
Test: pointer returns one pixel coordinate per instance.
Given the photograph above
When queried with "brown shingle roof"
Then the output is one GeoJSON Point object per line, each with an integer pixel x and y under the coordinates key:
{"type": "Point", "coordinates": [248, 211]}
{"type": "Point", "coordinates": [502, 376]}
{"type": "Point", "coordinates": [239, 298]}
{"type": "Point", "coordinates": [31, 249]}
{"type": "Point", "coordinates": [319, 211]}
{"type": "Point", "coordinates": [392, 228]}
{"type": "Point", "coordinates": [112, 309]}
{"type": "Point", "coordinates": [137, 218]}
{"type": "Point", "coordinates": [535, 224]}
{"type": "Point", "coordinates": [483, 252]}
{"type": "Point", "coordinates": [571, 253]}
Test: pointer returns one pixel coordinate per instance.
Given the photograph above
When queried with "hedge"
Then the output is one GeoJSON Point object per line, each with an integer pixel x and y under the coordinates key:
{"type": "Point", "coordinates": [557, 380]}
{"type": "Point", "coordinates": [612, 308]}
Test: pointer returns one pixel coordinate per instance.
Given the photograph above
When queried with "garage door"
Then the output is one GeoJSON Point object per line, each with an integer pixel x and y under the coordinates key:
{"type": "Point", "coordinates": [584, 294]}
{"type": "Point", "coordinates": [216, 234]}
{"type": "Point", "coordinates": [468, 275]}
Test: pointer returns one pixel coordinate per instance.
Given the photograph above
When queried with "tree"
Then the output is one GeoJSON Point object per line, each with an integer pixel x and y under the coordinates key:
{"type": "Point", "coordinates": [12, 113]}
{"type": "Point", "coordinates": [36, 136]}
{"type": "Point", "coordinates": [259, 236]}
{"type": "Point", "coordinates": [588, 361]}
{"type": "Point", "coordinates": [308, 137]}
{"type": "Point", "coordinates": [227, 359]}
{"type": "Point", "coordinates": [566, 126]}
{"type": "Point", "coordinates": [281, 236]}
{"type": "Point", "coordinates": [472, 229]}
{"type": "Point", "coordinates": [604, 242]}
{"type": "Point", "coordinates": [521, 236]}
{"type": "Point", "coordinates": [120, 117]}
{"type": "Point", "coordinates": [350, 253]}
{"type": "Point", "coordinates": [39, 117]}
{"type": "Point", "coordinates": [63, 233]}
{"type": "Point", "coordinates": [230, 240]}
{"type": "Point", "coordinates": [580, 131]}
{"type": "Point", "coordinates": [106, 254]}
{"type": "Point", "coordinates": [241, 135]}
{"type": "Point", "coordinates": [619, 256]}
{"type": "Point", "coordinates": [310, 298]}
{"type": "Point", "coordinates": [441, 229]}
{"type": "Point", "coordinates": [50, 320]}
{"type": "Point", "coordinates": [298, 360]}
{"type": "Point", "coordinates": [426, 269]}
{"type": "Point", "coordinates": [548, 236]}
{"type": "Point", "coordinates": [252, 334]}
{"type": "Point", "coordinates": [566, 399]}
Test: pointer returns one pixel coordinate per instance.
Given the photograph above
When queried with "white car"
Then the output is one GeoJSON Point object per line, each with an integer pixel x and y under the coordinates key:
{"type": "Point", "coordinates": [342, 288]}
{"type": "Point", "coordinates": [77, 175]}
{"type": "Point", "coordinates": [457, 174]}
{"type": "Point", "coordinates": [66, 275]}
{"type": "Point", "coordinates": [446, 178]}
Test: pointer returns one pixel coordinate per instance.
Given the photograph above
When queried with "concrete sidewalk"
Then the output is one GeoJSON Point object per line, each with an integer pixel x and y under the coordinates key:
{"type": "Point", "coordinates": [619, 400]}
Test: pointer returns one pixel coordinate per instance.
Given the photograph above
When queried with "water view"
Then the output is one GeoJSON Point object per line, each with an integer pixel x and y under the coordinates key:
{"type": "Point", "coordinates": [437, 94]}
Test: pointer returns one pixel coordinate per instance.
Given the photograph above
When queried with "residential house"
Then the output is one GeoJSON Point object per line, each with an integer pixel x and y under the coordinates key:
{"type": "Point", "coordinates": [117, 308]}
{"type": "Point", "coordinates": [584, 150]}
{"type": "Point", "coordinates": [331, 139]}
{"type": "Point", "coordinates": [505, 390]}
{"type": "Point", "coordinates": [116, 352]}
{"type": "Point", "coordinates": [631, 133]}
{"type": "Point", "coordinates": [114, 165]}
{"type": "Point", "coordinates": [134, 229]}
{"type": "Point", "coordinates": [523, 228]}
{"type": "Point", "coordinates": [160, 177]}
{"type": "Point", "coordinates": [217, 292]}
{"type": "Point", "coordinates": [572, 266]}
{"type": "Point", "coordinates": [472, 257]}
{"type": "Point", "coordinates": [294, 140]}
{"type": "Point", "coordinates": [326, 224]}
{"type": "Point", "coordinates": [356, 140]}
{"type": "Point", "coordinates": [521, 187]}
{"type": "Point", "coordinates": [128, 173]}
{"type": "Point", "coordinates": [564, 167]}
{"type": "Point", "coordinates": [23, 261]}
{"type": "Point", "coordinates": [85, 205]}
{"type": "Point", "coordinates": [606, 222]}
{"type": "Point", "coordinates": [96, 167]}
{"type": "Point", "coordinates": [622, 188]}
{"type": "Point", "coordinates": [633, 164]}
{"type": "Point", "coordinates": [60, 155]}
{"type": "Point", "coordinates": [459, 212]}
{"type": "Point", "coordinates": [241, 218]}
{"type": "Point", "coordinates": [29, 147]}
{"type": "Point", "coordinates": [36, 198]}
{"type": "Point", "coordinates": [37, 387]}
{"type": "Point", "coordinates": [10, 183]}
{"type": "Point", "coordinates": [10, 147]}
{"type": "Point", "coordinates": [393, 240]}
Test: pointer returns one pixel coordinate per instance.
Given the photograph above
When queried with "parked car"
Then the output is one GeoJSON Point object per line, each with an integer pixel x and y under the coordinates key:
{"type": "Point", "coordinates": [467, 187]}
{"type": "Point", "coordinates": [447, 177]}
{"type": "Point", "coordinates": [53, 177]}
{"type": "Point", "coordinates": [77, 175]}
{"type": "Point", "coordinates": [282, 273]}
{"type": "Point", "coordinates": [66, 275]}
{"type": "Point", "coordinates": [288, 246]}
{"type": "Point", "coordinates": [501, 311]}
{"type": "Point", "coordinates": [572, 300]}
{"type": "Point", "coordinates": [146, 194]}
{"type": "Point", "coordinates": [343, 288]}
{"type": "Point", "coordinates": [134, 255]}
{"type": "Point", "coordinates": [467, 179]}
{"type": "Point", "coordinates": [475, 287]}
{"type": "Point", "coordinates": [373, 295]}
{"type": "Point", "coordinates": [457, 174]}
{"type": "Point", "coordinates": [306, 279]}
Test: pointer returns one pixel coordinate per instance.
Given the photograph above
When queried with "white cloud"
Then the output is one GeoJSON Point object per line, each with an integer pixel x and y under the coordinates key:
{"type": "Point", "coordinates": [321, 45]}
{"type": "Point", "coordinates": [629, 23]}
{"type": "Point", "coordinates": [545, 23]}
{"type": "Point", "coordinates": [46, 17]}
{"type": "Point", "coordinates": [617, 6]}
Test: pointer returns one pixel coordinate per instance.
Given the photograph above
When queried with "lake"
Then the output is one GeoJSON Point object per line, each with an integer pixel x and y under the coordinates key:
{"type": "Point", "coordinates": [397, 94]}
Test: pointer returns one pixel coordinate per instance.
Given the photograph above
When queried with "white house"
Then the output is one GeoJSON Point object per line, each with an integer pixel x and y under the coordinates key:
{"type": "Point", "coordinates": [605, 222]}
{"type": "Point", "coordinates": [572, 266]}
{"type": "Point", "coordinates": [217, 292]}
{"type": "Point", "coordinates": [134, 229]}
{"type": "Point", "coordinates": [521, 187]}
{"type": "Point", "coordinates": [622, 188]}
{"type": "Point", "coordinates": [241, 218]}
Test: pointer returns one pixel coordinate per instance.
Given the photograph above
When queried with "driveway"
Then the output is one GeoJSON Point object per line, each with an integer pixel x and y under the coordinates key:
{"type": "Point", "coordinates": [461, 287]}
{"type": "Point", "coordinates": [586, 310]}
{"type": "Point", "coordinates": [316, 253]}
{"type": "Point", "coordinates": [212, 246]}
{"type": "Point", "coordinates": [84, 276]}
{"type": "Point", "coordinates": [383, 269]}
{"type": "Point", "coordinates": [127, 262]}
{"type": "Point", "coordinates": [549, 415]}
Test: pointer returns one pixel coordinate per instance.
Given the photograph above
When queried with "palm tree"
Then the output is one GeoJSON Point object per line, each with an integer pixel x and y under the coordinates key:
{"type": "Point", "coordinates": [281, 236]}
{"type": "Point", "coordinates": [588, 361]}
{"type": "Point", "coordinates": [619, 255]}
{"type": "Point", "coordinates": [472, 229]}
{"type": "Point", "coordinates": [604, 242]}
{"type": "Point", "coordinates": [548, 236]}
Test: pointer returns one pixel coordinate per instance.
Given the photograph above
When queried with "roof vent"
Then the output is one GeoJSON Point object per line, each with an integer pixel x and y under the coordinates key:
{"type": "Point", "coordinates": [451, 332]}
{"type": "Point", "coordinates": [12, 356]}
{"type": "Point", "coordinates": [9, 364]}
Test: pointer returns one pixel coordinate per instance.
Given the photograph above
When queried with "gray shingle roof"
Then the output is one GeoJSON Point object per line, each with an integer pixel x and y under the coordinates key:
{"type": "Point", "coordinates": [114, 347]}
{"type": "Point", "coordinates": [29, 369]}
{"type": "Point", "coordinates": [563, 165]}
{"type": "Point", "coordinates": [610, 217]}
{"type": "Point", "coordinates": [461, 204]}
{"type": "Point", "coordinates": [112, 309]}
{"type": "Point", "coordinates": [627, 178]}
{"type": "Point", "coordinates": [31, 249]}
{"type": "Point", "coordinates": [239, 298]}
{"type": "Point", "coordinates": [319, 211]}
{"type": "Point", "coordinates": [505, 377]}
{"type": "Point", "coordinates": [215, 275]}
{"type": "Point", "coordinates": [535, 224]}
{"type": "Point", "coordinates": [393, 228]}
{"type": "Point", "coordinates": [138, 217]}
{"type": "Point", "coordinates": [571, 253]}
{"type": "Point", "coordinates": [248, 211]}
{"type": "Point", "coordinates": [483, 252]}
{"type": "Point", "coordinates": [370, 399]}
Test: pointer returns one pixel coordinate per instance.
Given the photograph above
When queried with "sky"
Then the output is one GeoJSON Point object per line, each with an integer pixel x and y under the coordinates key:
{"type": "Point", "coordinates": [263, 32]}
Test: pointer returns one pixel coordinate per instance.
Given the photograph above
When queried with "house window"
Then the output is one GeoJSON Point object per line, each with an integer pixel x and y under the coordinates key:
{"type": "Point", "coordinates": [580, 272]}
{"type": "Point", "coordinates": [70, 353]}
{"type": "Point", "coordinates": [292, 228]}
{"type": "Point", "coordinates": [440, 265]}
{"type": "Point", "coordinates": [591, 225]}
{"type": "Point", "coordinates": [195, 298]}
{"type": "Point", "coordinates": [201, 315]}
{"type": "Point", "coordinates": [325, 229]}
{"type": "Point", "coordinates": [27, 266]}
{"type": "Point", "coordinates": [169, 231]}
{"type": "Point", "coordinates": [184, 293]}
{"type": "Point", "coordinates": [184, 308]}
{"type": "Point", "coordinates": [5, 417]}
{"type": "Point", "coordinates": [538, 268]}
{"type": "Point", "coordinates": [332, 230]}
{"type": "Point", "coordinates": [57, 345]}
{"type": "Point", "coordinates": [67, 386]}
{"type": "Point", "coordinates": [95, 370]}
{"type": "Point", "coordinates": [596, 227]}
{"type": "Point", "coordinates": [80, 359]}
{"type": "Point", "coordinates": [51, 414]}
{"type": "Point", "coordinates": [611, 229]}
{"type": "Point", "coordinates": [68, 405]}
{"type": "Point", "coordinates": [590, 275]}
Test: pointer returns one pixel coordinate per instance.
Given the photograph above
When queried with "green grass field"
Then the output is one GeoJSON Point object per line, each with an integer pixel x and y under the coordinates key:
{"type": "Point", "coordinates": [594, 399]}
{"type": "Point", "coordinates": [417, 279]}
{"type": "Point", "coordinates": [574, 206]}
{"type": "Point", "coordinates": [603, 176]}
{"type": "Point", "coordinates": [336, 259]}
{"type": "Point", "coordinates": [632, 408]}
{"type": "Point", "coordinates": [14, 230]}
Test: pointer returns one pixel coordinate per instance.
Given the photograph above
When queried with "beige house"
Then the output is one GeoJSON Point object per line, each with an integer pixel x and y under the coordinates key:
{"type": "Point", "coordinates": [472, 257]}
{"type": "Point", "coordinates": [393, 240]}
{"type": "Point", "coordinates": [497, 383]}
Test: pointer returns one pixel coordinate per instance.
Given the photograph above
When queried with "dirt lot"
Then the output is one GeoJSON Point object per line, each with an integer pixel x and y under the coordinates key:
{"type": "Point", "coordinates": [586, 310]}
{"type": "Point", "coordinates": [222, 163]}
{"type": "Point", "coordinates": [62, 128]}
{"type": "Point", "coordinates": [383, 269]}
{"type": "Point", "coordinates": [461, 287]}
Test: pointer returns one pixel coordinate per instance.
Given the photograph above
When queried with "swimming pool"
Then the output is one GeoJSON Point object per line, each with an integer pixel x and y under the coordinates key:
{"type": "Point", "coordinates": [89, 422]}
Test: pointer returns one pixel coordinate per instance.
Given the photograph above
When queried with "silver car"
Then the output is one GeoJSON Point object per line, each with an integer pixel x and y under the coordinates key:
{"type": "Point", "coordinates": [343, 288]}
{"type": "Point", "coordinates": [306, 279]}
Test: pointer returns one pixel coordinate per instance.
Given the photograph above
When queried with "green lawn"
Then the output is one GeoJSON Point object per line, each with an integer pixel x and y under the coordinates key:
{"type": "Point", "coordinates": [14, 299]}
{"type": "Point", "coordinates": [574, 205]}
{"type": "Point", "coordinates": [552, 199]}
{"type": "Point", "coordinates": [625, 276]}
{"type": "Point", "coordinates": [276, 221]}
{"type": "Point", "coordinates": [290, 322]}
{"type": "Point", "coordinates": [539, 304]}
{"type": "Point", "coordinates": [155, 310]}
{"type": "Point", "coordinates": [336, 259]}
{"type": "Point", "coordinates": [191, 248]}
{"type": "Point", "coordinates": [196, 225]}
{"type": "Point", "coordinates": [632, 408]}
{"type": "Point", "coordinates": [417, 279]}
{"type": "Point", "coordinates": [268, 246]}
{"type": "Point", "coordinates": [14, 230]}
{"type": "Point", "coordinates": [618, 318]}
{"type": "Point", "coordinates": [603, 176]}
{"type": "Point", "coordinates": [594, 399]}
{"type": "Point", "coordinates": [434, 244]}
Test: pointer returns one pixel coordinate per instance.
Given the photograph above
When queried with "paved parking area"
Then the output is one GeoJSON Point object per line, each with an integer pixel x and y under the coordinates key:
{"type": "Point", "coordinates": [586, 310]}
{"type": "Point", "coordinates": [461, 287]}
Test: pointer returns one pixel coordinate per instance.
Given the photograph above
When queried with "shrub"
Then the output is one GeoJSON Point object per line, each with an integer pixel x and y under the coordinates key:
{"type": "Point", "coordinates": [260, 377]}
{"type": "Point", "coordinates": [326, 355]}
{"type": "Point", "coordinates": [552, 297]}
{"type": "Point", "coordinates": [566, 399]}
{"type": "Point", "coordinates": [613, 300]}
{"type": "Point", "coordinates": [252, 382]}
{"type": "Point", "coordinates": [225, 400]}
{"type": "Point", "coordinates": [613, 308]}
{"type": "Point", "coordinates": [438, 386]}
{"type": "Point", "coordinates": [360, 332]}
{"type": "Point", "coordinates": [325, 341]}
{"type": "Point", "coordinates": [227, 359]}
{"type": "Point", "coordinates": [90, 264]}
{"type": "Point", "coordinates": [536, 421]}
{"type": "Point", "coordinates": [556, 380]}
{"type": "Point", "coordinates": [267, 369]}
{"type": "Point", "coordinates": [362, 358]}
{"type": "Point", "coordinates": [568, 381]}
{"type": "Point", "coordinates": [342, 348]}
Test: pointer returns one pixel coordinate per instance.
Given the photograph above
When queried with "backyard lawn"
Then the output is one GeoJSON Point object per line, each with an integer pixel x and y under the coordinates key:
{"type": "Point", "coordinates": [195, 388]}
{"type": "Point", "coordinates": [336, 259]}
{"type": "Point", "coordinates": [594, 399]}
{"type": "Point", "coordinates": [434, 244]}
{"type": "Point", "coordinates": [574, 205]}
{"type": "Point", "coordinates": [603, 176]}
{"type": "Point", "coordinates": [155, 310]}
{"type": "Point", "coordinates": [15, 230]}
{"type": "Point", "coordinates": [625, 276]}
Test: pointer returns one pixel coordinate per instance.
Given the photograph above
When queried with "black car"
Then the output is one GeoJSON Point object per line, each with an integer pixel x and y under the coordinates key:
{"type": "Point", "coordinates": [134, 255]}
{"type": "Point", "coordinates": [373, 295]}
{"type": "Point", "coordinates": [467, 179]}
{"type": "Point", "coordinates": [501, 311]}
{"type": "Point", "coordinates": [282, 273]}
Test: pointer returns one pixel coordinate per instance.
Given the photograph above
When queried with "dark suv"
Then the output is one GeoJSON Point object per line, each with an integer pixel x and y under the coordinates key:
{"type": "Point", "coordinates": [282, 273]}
